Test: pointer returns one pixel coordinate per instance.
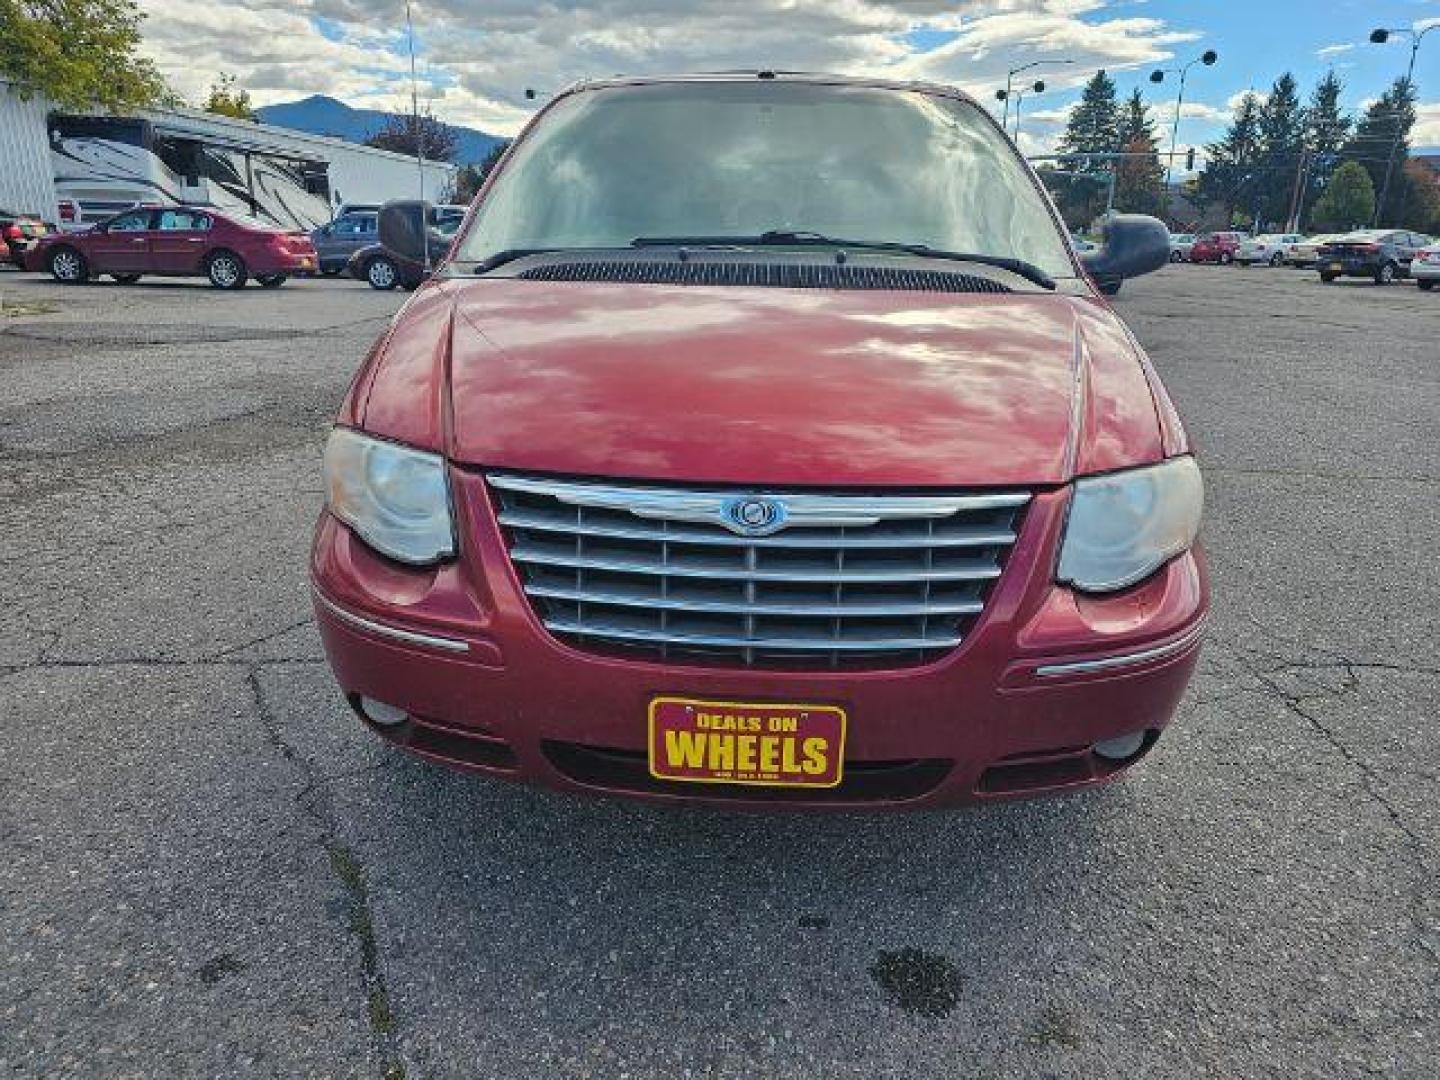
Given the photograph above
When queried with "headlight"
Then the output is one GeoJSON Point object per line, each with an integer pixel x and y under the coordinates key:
{"type": "Point", "coordinates": [1125, 526]}
{"type": "Point", "coordinates": [395, 498]}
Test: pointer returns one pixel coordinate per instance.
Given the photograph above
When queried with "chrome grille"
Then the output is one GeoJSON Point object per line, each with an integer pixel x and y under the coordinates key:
{"type": "Point", "coordinates": [845, 580]}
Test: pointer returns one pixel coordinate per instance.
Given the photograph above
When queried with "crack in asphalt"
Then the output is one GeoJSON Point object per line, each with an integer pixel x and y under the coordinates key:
{"type": "Point", "coordinates": [349, 871]}
{"type": "Point", "coordinates": [308, 620]}
{"type": "Point", "coordinates": [152, 336]}
{"type": "Point", "coordinates": [8, 671]}
{"type": "Point", "coordinates": [1370, 780]}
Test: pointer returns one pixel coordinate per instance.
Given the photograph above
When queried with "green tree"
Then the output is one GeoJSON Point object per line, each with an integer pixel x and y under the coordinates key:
{"type": "Point", "coordinates": [1282, 137]}
{"type": "Point", "coordinates": [1420, 198]}
{"type": "Point", "coordinates": [1326, 129]}
{"type": "Point", "coordinates": [1348, 200]}
{"type": "Point", "coordinates": [1134, 121]}
{"type": "Point", "coordinates": [1375, 140]}
{"type": "Point", "coordinates": [225, 100]}
{"type": "Point", "coordinates": [409, 133]}
{"type": "Point", "coordinates": [1093, 128]}
{"type": "Point", "coordinates": [1231, 163]}
{"type": "Point", "coordinates": [471, 178]}
{"type": "Point", "coordinates": [1094, 124]}
{"type": "Point", "coordinates": [81, 54]}
{"type": "Point", "coordinates": [1139, 180]}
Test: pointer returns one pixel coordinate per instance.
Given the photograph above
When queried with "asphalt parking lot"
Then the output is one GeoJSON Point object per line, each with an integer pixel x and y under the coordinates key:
{"type": "Point", "coordinates": [208, 868]}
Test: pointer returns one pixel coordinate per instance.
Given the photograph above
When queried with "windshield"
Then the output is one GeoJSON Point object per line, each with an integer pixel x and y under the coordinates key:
{"type": "Point", "coordinates": [718, 159]}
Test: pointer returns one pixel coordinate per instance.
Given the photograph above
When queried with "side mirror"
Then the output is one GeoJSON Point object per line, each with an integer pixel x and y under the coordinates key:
{"type": "Point", "coordinates": [402, 228]}
{"type": "Point", "coordinates": [1133, 244]}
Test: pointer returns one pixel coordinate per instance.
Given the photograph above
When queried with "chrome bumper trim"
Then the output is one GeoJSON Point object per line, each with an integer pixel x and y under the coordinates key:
{"type": "Point", "coordinates": [1105, 663]}
{"type": "Point", "coordinates": [434, 641]}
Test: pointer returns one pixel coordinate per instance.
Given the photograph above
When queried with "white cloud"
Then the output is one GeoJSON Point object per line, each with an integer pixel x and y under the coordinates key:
{"type": "Point", "coordinates": [1233, 101]}
{"type": "Point", "coordinates": [1427, 125]}
{"type": "Point", "coordinates": [1334, 50]}
{"type": "Point", "coordinates": [477, 59]}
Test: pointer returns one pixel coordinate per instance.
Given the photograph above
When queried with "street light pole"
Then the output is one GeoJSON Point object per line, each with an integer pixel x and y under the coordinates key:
{"type": "Point", "coordinates": [1038, 88]}
{"type": "Point", "coordinates": [1004, 95]}
{"type": "Point", "coordinates": [1378, 37]}
{"type": "Point", "coordinates": [1208, 58]}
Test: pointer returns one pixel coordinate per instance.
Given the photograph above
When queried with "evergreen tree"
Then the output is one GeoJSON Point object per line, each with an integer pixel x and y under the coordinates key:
{"type": "Point", "coordinates": [1094, 124]}
{"type": "Point", "coordinates": [470, 178]}
{"type": "Point", "coordinates": [1135, 121]}
{"type": "Point", "coordinates": [1139, 181]}
{"type": "Point", "coordinates": [1392, 116]}
{"type": "Point", "coordinates": [1093, 128]}
{"type": "Point", "coordinates": [1348, 200]}
{"type": "Point", "coordinates": [1282, 137]}
{"type": "Point", "coordinates": [1326, 129]}
{"type": "Point", "coordinates": [1230, 164]}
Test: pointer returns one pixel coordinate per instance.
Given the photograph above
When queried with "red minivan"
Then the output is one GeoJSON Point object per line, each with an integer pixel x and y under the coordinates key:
{"type": "Point", "coordinates": [1216, 247]}
{"type": "Point", "coordinates": [763, 441]}
{"type": "Point", "coordinates": [176, 241]}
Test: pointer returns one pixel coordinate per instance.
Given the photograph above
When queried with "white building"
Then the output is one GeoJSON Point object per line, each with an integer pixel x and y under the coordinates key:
{"type": "Point", "coordinates": [27, 183]}
{"type": "Point", "coordinates": [103, 164]}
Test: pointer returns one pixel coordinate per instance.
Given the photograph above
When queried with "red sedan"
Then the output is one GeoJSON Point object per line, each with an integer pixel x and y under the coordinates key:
{"type": "Point", "coordinates": [176, 242]}
{"type": "Point", "coordinates": [769, 472]}
{"type": "Point", "coordinates": [1216, 247]}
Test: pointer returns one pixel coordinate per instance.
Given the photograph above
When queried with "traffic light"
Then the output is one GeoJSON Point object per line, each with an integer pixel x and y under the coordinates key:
{"type": "Point", "coordinates": [1190, 160]}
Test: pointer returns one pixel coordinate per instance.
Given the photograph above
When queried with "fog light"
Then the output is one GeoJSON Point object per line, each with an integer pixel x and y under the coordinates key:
{"type": "Point", "coordinates": [377, 712]}
{"type": "Point", "coordinates": [1120, 747]}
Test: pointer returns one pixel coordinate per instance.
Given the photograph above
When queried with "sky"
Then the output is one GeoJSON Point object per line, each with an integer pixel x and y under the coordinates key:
{"type": "Point", "coordinates": [475, 58]}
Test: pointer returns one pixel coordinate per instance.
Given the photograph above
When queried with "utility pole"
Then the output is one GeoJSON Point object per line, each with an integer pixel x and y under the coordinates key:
{"type": "Point", "coordinates": [1292, 222]}
{"type": "Point", "coordinates": [415, 126]}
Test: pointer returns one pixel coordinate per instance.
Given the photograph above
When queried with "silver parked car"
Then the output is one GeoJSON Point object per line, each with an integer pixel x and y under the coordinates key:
{"type": "Point", "coordinates": [347, 234]}
{"type": "Point", "coordinates": [1180, 245]}
{"type": "Point", "coordinates": [1269, 248]}
{"type": "Point", "coordinates": [1425, 266]}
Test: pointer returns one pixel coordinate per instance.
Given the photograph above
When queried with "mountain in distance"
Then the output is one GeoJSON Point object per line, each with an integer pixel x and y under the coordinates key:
{"type": "Point", "coordinates": [322, 115]}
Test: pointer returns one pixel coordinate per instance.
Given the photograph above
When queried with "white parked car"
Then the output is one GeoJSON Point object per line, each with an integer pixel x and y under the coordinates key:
{"type": "Point", "coordinates": [1306, 251]}
{"type": "Point", "coordinates": [1180, 245]}
{"type": "Point", "coordinates": [1268, 248]}
{"type": "Point", "coordinates": [1425, 266]}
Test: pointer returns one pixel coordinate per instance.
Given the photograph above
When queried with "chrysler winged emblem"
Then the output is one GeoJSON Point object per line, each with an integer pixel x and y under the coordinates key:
{"type": "Point", "coordinates": [752, 515]}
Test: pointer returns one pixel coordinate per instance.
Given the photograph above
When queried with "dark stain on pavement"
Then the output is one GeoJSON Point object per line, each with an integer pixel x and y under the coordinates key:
{"type": "Point", "coordinates": [217, 967]}
{"type": "Point", "coordinates": [921, 983]}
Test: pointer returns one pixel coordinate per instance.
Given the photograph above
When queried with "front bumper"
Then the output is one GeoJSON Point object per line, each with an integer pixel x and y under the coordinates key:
{"type": "Point", "coordinates": [1042, 677]}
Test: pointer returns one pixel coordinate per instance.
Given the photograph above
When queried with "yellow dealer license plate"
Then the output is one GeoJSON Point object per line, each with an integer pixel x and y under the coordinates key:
{"type": "Point", "coordinates": [758, 745]}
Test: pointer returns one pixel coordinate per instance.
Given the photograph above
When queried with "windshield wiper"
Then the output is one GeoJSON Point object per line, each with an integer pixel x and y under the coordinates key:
{"type": "Point", "coordinates": [500, 258]}
{"type": "Point", "coordinates": [802, 238]}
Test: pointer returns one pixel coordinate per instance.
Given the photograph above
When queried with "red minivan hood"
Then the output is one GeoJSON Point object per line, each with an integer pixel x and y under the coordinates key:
{"type": "Point", "coordinates": [766, 385]}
